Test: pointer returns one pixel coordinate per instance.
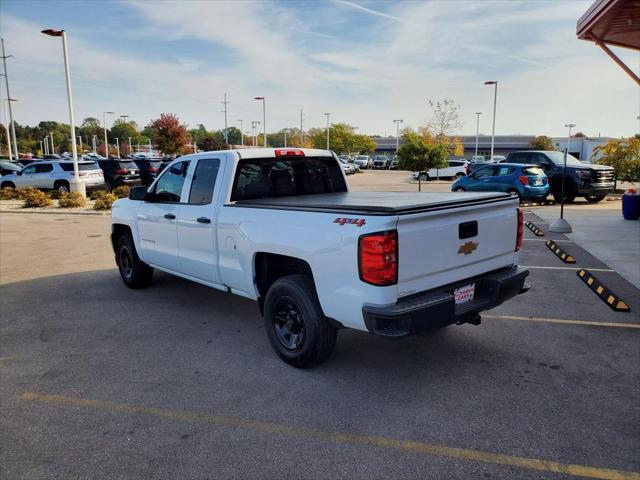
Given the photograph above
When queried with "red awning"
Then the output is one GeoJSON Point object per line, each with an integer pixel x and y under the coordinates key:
{"type": "Point", "coordinates": [612, 22]}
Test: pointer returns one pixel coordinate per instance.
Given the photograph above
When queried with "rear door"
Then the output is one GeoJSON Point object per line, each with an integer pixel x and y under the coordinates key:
{"type": "Point", "coordinates": [445, 246]}
{"type": "Point", "coordinates": [196, 223]}
{"type": "Point", "coordinates": [158, 219]}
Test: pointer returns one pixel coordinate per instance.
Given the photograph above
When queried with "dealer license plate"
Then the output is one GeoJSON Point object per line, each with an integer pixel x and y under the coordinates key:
{"type": "Point", "coordinates": [537, 181]}
{"type": "Point", "coordinates": [464, 294]}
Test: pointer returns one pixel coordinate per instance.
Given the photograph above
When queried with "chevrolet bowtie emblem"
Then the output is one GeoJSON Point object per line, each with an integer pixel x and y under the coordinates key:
{"type": "Point", "coordinates": [467, 248]}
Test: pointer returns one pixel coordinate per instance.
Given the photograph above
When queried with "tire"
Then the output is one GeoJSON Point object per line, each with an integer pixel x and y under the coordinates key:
{"type": "Point", "coordinates": [595, 198]}
{"type": "Point", "coordinates": [297, 329]}
{"type": "Point", "coordinates": [7, 185]}
{"type": "Point", "coordinates": [424, 177]}
{"type": "Point", "coordinates": [517, 194]}
{"type": "Point", "coordinates": [459, 189]}
{"type": "Point", "coordinates": [134, 272]}
{"type": "Point", "coordinates": [460, 175]}
{"type": "Point", "coordinates": [62, 186]}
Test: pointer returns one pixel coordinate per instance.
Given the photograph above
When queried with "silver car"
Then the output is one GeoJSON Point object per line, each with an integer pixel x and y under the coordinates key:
{"type": "Point", "coordinates": [55, 175]}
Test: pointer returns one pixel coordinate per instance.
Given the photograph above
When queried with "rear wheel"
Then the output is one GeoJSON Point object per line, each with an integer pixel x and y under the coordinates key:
{"type": "Point", "coordinates": [424, 177]}
{"type": "Point", "coordinates": [62, 186]}
{"type": "Point", "coordinates": [7, 185]}
{"type": "Point", "coordinates": [297, 329]}
{"type": "Point", "coordinates": [134, 272]}
{"type": "Point", "coordinates": [517, 194]}
{"type": "Point", "coordinates": [459, 189]}
{"type": "Point", "coordinates": [595, 198]}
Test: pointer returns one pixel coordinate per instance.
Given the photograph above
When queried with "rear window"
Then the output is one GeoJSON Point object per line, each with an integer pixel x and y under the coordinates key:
{"type": "Point", "coordinates": [533, 171]}
{"type": "Point", "coordinates": [281, 177]}
{"type": "Point", "coordinates": [128, 165]}
{"type": "Point", "coordinates": [68, 167]}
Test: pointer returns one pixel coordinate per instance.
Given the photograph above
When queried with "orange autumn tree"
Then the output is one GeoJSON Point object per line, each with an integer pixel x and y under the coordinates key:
{"type": "Point", "coordinates": [168, 134]}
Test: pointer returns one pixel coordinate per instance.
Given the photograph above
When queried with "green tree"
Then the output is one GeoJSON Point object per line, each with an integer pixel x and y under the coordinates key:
{"type": "Point", "coordinates": [123, 131]}
{"type": "Point", "coordinates": [169, 135]}
{"type": "Point", "coordinates": [342, 139]}
{"type": "Point", "coordinates": [623, 155]}
{"type": "Point", "coordinates": [542, 142]}
{"type": "Point", "coordinates": [416, 154]}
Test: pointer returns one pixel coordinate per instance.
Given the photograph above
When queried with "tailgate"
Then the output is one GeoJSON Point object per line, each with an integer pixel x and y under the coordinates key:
{"type": "Point", "coordinates": [432, 253]}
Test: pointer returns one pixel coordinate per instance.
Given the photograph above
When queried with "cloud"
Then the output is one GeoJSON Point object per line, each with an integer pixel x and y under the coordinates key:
{"type": "Point", "coordinates": [367, 10]}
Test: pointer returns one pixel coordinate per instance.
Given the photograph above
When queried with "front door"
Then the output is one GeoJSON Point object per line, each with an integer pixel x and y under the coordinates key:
{"type": "Point", "coordinates": [196, 223]}
{"type": "Point", "coordinates": [158, 219]}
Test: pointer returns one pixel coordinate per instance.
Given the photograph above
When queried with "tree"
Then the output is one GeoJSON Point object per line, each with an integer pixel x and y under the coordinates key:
{"type": "Point", "coordinates": [579, 135]}
{"type": "Point", "coordinates": [168, 133]}
{"type": "Point", "coordinates": [123, 130]}
{"type": "Point", "coordinates": [445, 121]}
{"type": "Point", "coordinates": [623, 155]}
{"type": "Point", "coordinates": [542, 142]}
{"type": "Point", "coordinates": [342, 139]}
{"type": "Point", "coordinates": [416, 154]}
{"type": "Point", "coordinates": [210, 141]}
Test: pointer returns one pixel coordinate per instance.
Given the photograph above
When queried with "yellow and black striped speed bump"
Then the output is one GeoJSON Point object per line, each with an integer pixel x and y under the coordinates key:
{"type": "Point", "coordinates": [561, 254]}
{"type": "Point", "coordinates": [610, 298]}
{"type": "Point", "coordinates": [537, 231]}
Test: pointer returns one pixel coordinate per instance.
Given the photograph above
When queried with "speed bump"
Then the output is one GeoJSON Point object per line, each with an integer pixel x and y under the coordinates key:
{"type": "Point", "coordinates": [560, 253]}
{"type": "Point", "coordinates": [537, 231]}
{"type": "Point", "coordinates": [610, 298]}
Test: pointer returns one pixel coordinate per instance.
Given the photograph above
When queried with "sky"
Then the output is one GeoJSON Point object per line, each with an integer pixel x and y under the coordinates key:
{"type": "Point", "coordinates": [365, 62]}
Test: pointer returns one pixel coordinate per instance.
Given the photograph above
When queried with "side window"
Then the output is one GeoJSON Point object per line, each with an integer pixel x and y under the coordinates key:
{"type": "Point", "coordinates": [540, 159]}
{"type": "Point", "coordinates": [483, 172]}
{"type": "Point", "coordinates": [169, 185]}
{"type": "Point", "coordinates": [29, 170]}
{"type": "Point", "coordinates": [47, 167]}
{"type": "Point", "coordinates": [518, 158]}
{"type": "Point", "coordinates": [503, 170]}
{"type": "Point", "coordinates": [204, 181]}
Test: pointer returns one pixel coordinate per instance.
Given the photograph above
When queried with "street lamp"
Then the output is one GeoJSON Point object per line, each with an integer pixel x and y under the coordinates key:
{"type": "Point", "coordinates": [285, 137]}
{"type": "Point", "coordinates": [495, 97]}
{"type": "Point", "coordinates": [264, 119]}
{"type": "Point", "coordinates": [241, 134]}
{"type": "Point", "coordinates": [53, 147]}
{"type": "Point", "coordinates": [328, 115]}
{"type": "Point", "coordinates": [398, 122]}
{"type": "Point", "coordinates": [118, 146]}
{"type": "Point", "coordinates": [76, 185]}
{"type": "Point", "coordinates": [104, 124]}
{"type": "Point", "coordinates": [477, 132]}
{"type": "Point", "coordinates": [561, 225]}
{"type": "Point", "coordinates": [6, 124]}
{"type": "Point", "coordinates": [11, 122]}
{"type": "Point", "coordinates": [93, 140]}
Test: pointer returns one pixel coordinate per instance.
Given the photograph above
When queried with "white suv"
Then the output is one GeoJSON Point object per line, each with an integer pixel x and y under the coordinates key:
{"type": "Point", "coordinates": [54, 176]}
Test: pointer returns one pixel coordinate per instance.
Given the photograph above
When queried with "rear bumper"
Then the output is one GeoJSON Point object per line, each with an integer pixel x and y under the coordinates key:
{"type": "Point", "coordinates": [437, 308]}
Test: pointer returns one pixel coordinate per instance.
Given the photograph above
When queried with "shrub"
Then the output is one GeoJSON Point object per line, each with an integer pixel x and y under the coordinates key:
{"type": "Point", "coordinates": [54, 194]}
{"type": "Point", "coordinates": [8, 193]}
{"type": "Point", "coordinates": [97, 194]}
{"type": "Point", "coordinates": [23, 193]}
{"type": "Point", "coordinates": [121, 192]}
{"type": "Point", "coordinates": [35, 198]}
{"type": "Point", "coordinates": [72, 200]}
{"type": "Point", "coordinates": [104, 201]}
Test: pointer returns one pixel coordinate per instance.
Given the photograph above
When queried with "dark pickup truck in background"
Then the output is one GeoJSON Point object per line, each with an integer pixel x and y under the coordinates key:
{"type": "Point", "coordinates": [593, 182]}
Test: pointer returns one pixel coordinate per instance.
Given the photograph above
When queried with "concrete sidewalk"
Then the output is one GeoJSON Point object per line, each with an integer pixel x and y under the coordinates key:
{"type": "Point", "coordinates": [601, 230]}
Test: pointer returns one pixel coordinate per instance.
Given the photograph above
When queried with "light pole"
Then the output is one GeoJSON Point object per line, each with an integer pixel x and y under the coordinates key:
{"type": "Point", "coordinates": [46, 145]}
{"type": "Point", "coordinates": [398, 122]}
{"type": "Point", "coordinates": [104, 124]}
{"type": "Point", "coordinates": [285, 137]}
{"type": "Point", "coordinates": [76, 185]}
{"type": "Point", "coordinates": [493, 129]}
{"type": "Point", "coordinates": [6, 79]}
{"type": "Point", "coordinates": [561, 225]}
{"type": "Point", "coordinates": [118, 146]}
{"type": "Point", "coordinates": [264, 119]}
{"type": "Point", "coordinates": [130, 146]}
{"type": "Point", "coordinates": [477, 132]}
{"type": "Point", "coordinates": [226, 131]}
{"type": "Point", "coordinates": [41, 147]}
{"type": "Point", "coordinates": [80, 138]}
{"type": "Point", "coordinates": [53, 147]}
{"type": "Point", "coordinates": [241, 134]}
{"type": "Point", "coordinates": [328, 115]}
{"type": "Point", "coordinates": [93, 140]}
{"type": "Point", "coordinates": [6, 125]}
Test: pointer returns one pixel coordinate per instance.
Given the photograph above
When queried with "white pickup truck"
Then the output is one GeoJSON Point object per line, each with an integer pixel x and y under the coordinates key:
{"type": "Point", "coordinates": [281, 227]}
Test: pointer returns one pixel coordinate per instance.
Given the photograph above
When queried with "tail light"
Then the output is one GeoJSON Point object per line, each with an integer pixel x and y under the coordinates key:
{"type": "Point", "coordinates": [524, 179]}
{"type": "Point", "coordinates": [154, 169]}
{"type": "Point", "coordinates": [378, 258]}
{"type": "Point", "coordinates": [520, 230]}
{"type": "Point", "coordinates": [82, 174]}
{"type": "Point", "coordinates": [289, 152]}
{"type": "Point", "coordinates": [122, 171]}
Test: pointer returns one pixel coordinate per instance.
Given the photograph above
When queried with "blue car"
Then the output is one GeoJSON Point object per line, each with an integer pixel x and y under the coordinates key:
{"type": "Point", "coordinates": [527, 181]}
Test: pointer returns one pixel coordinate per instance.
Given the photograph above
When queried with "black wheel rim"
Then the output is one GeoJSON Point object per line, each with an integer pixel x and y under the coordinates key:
{"type": "Point", "coordinates": [63, 189]}
{"type": "Point", "coordinates": [288, 324]}
{"type": "Point", "coordinates": [126, 262]}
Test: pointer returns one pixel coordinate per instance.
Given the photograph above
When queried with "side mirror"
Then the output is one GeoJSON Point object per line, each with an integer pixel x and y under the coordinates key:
{"type": "Point", "coordinates": [138, 193]}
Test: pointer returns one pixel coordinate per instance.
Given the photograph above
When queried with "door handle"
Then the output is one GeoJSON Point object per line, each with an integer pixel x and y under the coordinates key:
{"type": "Point", "coordinates": [203, 220]}
{"type": "Point", "coordinates": [169, 216]}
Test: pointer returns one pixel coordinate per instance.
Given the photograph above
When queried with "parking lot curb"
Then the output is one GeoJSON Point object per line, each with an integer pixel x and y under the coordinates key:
{"type": "Point", "coordinates": [560, 253]}
{"type": "Point", "coordinates": [607, 296]}
{"type": "Point", "coordinates": [54, 212]}
{"type": "Point", "coordinates": [537, 231]}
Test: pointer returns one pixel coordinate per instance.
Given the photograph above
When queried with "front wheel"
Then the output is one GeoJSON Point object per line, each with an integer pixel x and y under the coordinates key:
{"type": "Point", "coordinates": [459, 189]}
{"type": "Point", "coordinates": [7, 185]}
{"type": "Point", "coordinates": [424, 177]}
{"type": "Point", "coordinates": [62, 187]}
{"type": "Point", "coordinates": [297, 329]}
{"type": "Point", "coordinates": [134, 272]}
{"type": "Point", "coordinates": [595, 198]}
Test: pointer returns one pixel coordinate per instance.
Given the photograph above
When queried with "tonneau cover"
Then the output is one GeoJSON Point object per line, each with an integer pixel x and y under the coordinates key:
{"type": "Point", "coordinates": [375, 203]}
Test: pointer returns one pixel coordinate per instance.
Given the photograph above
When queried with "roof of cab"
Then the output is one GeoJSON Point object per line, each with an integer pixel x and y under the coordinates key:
{"type": "Point", "coordinates": [271, 152]}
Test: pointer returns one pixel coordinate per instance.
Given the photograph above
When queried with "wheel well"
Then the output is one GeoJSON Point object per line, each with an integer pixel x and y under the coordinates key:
{"type": "Point", "coordinates": [117, 231]}
{"type": "Point", "coordinates": [269, 267]}
{"type": "Point", "coordinates": [7, 185]}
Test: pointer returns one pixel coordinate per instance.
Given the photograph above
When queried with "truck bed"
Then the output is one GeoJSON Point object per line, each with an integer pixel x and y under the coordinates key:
{"type": "Point", "coordinates": [375, 203]}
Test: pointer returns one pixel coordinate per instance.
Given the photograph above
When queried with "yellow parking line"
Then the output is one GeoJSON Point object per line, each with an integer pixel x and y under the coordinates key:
{"type": "Point", "coordinates": [340, 437]}
{"type": "Point", "coordinates": [561, 320]}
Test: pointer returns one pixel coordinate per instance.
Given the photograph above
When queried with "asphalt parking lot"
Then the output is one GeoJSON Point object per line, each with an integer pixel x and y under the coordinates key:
{"type": "Point", "coordinates": [179, 381]}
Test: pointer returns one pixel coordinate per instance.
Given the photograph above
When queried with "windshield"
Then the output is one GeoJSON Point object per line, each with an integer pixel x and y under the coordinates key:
{"type": "Point", "coordinates": [558, 159]}
{"type": "Point", "coordinates": [10, 166]}
{"type": "Point", "coordinates": [362, 157]}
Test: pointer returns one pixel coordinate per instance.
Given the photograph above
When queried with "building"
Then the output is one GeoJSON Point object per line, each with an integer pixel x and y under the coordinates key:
{"type": "Point", "coordinates": [581, 147]}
